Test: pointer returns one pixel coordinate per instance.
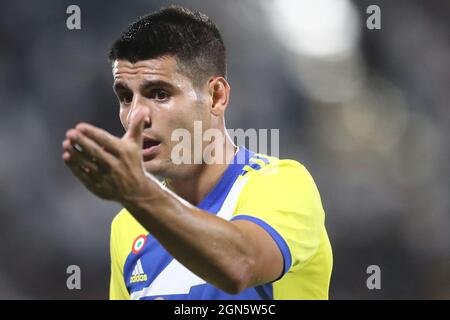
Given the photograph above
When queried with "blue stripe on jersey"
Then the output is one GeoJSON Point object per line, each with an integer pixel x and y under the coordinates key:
{"type": "Point", "coordinates": [215, 198]}
{"type": "Point", "coordinates": [209, 292]}
{"type": "Point", "coordinates": [255, 166]}
{"type": "Point", "coordinates": [264, 159]}
{"type": "Point", "coordinates": [286, 253]}
{"type": "Point", "coordinates": [154, 257]}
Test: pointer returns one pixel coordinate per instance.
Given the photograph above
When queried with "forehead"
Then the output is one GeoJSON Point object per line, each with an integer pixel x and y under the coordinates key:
{"type": "Point", "coordinates": [163, 68]}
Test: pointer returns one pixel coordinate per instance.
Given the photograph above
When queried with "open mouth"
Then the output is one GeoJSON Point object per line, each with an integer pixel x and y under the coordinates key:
{"type": "Point", "coordinates": [149, 146]}
{"type": "Point", "coordinates": [148, 143]}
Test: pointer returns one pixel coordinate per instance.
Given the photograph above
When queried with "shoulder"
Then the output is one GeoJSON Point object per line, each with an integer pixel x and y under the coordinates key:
{"type": "Point", "coordinates": [125, 227]}
{"type": "Point", "coordinates": [122, 217]}
{"type": "Point", "coordinates": [274, 182]}
{"type": "Point", "coordinates": [266, 168]}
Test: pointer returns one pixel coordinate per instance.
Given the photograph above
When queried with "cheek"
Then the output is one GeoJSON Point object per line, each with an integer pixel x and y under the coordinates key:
{"type": "Point", "coordinates": [123, 114]}
{"type": "Point", "coordinates": [186, 118]}
{"type": "Point", "coordinates": [178, 114]}
{"type": "Point", "coordinates": [181, 114]}
{"type": "Point", "coordinates": [174, 121]}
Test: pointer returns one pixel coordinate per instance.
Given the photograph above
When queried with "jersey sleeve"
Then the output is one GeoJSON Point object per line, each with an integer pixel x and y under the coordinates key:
{"type": "Point", "coordinates": [283, 199]}
{"type": "Point", "coordinates": [117, 288]}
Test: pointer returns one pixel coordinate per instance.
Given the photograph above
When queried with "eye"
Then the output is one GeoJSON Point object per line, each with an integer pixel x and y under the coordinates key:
{"type": "Point", "coordinates": [160, 95]}
{"type": "Point", "coordinates": [126, 99]}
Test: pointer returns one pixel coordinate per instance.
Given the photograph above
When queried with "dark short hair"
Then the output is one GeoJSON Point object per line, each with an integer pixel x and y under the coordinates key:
{"type": "Point", "coordinates": [189, 36]}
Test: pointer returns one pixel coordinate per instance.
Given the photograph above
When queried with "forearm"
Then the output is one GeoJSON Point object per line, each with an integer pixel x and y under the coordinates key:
{"type": "Point", "coordinates": [211, 247]}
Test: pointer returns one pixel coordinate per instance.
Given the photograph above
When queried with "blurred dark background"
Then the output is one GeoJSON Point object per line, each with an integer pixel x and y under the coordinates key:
{"type": "Point", "coordinates": [366, 111]}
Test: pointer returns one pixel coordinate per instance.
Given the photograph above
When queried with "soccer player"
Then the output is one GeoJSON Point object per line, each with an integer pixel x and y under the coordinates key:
{"type": "Point", "coordinates": [248, 227]}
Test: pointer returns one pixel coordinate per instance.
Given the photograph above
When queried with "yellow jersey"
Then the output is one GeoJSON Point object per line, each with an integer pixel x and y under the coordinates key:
{"type": "Point", "coordinates": [278, 195]}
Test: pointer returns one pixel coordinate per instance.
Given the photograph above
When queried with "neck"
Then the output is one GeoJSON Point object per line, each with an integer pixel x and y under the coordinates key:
{"type": "Point", "coordinates": [195, 188]}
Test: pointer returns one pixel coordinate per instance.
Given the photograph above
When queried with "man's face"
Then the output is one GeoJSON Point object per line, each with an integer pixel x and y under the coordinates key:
{"type": "Point", "coordinates": [172, 102]}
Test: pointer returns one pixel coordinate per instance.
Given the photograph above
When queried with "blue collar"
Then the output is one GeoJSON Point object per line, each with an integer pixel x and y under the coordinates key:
{"type": "Point", "coordinates": [215, 198]}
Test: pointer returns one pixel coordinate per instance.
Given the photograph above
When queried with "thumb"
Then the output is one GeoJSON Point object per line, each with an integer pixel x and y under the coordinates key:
{"type": "Point", "coordinates": [136, 127]}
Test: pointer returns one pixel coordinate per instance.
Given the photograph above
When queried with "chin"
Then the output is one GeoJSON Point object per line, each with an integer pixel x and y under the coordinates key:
{"type": "Point", "coordinates": [152, 166]}
{"type": "Point", "coordinates": [168, 170]}
{"type": "Point", "coordinates": [156, 167]}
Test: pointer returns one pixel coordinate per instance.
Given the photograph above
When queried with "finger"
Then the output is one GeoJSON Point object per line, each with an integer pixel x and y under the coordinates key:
{"type": "Point", "coordinates": [101, 137]}
{"type": "Point", "coordinates": [83, 175]}
{"type": "Point", "coordinates": [71, 152]}
{"type": "Point", "coordinates": [74, 158]}
{"type": "Point", "coordinates": [137, 126]}
{"type": "Point", "coordinates": [89, 150]}
{"type": "Point", "coordinates": [81, 167]}
{"type": "Point", "coordinates": [85, 171]}
{"type": "Point", "coordinates": [84, 164]}
{"type": "Point", "coordinates": [68, 150]}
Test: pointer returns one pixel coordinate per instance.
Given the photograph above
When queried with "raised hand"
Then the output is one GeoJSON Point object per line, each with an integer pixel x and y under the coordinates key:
{"type": "Point", "coordinates": [108, 166]}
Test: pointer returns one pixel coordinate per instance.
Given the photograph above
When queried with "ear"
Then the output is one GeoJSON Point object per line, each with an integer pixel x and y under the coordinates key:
{"type": "Point", "coordinates": [219, 89]}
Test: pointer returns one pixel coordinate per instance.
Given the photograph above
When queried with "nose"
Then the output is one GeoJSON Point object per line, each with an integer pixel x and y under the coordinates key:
{"type": "Point", "coordinates": [135, 107]}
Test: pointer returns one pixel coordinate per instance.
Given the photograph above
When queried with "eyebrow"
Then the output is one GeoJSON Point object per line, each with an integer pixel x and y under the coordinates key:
{"type": "Point", "coordinates": [145, 85]}
{"type": "Point", "coordinates": [120, 86]}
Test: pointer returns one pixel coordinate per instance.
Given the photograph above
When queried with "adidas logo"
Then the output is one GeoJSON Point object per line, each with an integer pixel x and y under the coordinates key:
{"type": "Point", "coordinates": [138, 274]}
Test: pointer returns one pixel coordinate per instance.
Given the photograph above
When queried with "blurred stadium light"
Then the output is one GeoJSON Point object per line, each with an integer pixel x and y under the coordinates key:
{"type": "Point", "coordinates": [319, 28]}
{"type": "Point", "coordinates": [321, 41]}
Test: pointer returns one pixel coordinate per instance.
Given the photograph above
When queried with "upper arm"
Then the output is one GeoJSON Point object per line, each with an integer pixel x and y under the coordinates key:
{"type": "Point", "coordinates": [281, 212]}
{"type": "Point", "coordinates": [266, 255]}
